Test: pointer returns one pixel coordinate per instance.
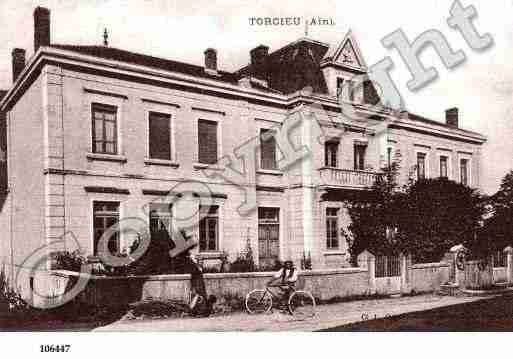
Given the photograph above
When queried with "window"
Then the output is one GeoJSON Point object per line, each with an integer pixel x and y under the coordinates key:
{"type": "Point", "coordinates": [389, 157]}
{"type": "Point", "coordinates": [421, 165]}
{"type": "Point", "coordinates": [340, 88]}
{"type": "Point", "coordinates": [208, 228]}
{"type": "Point", "coordinates": [359, 156]}
{"type": "Point", "coordinates": [105, 215]}
{"type": "Point", "coordinates": [104, 129]}
{"type": "Point", "coordinates": [330, 153]}
{"type": "Point", "coordinates": [267, 149]}
{"type": "Point", "coordinates": [207, 142]}
{"type": "Point", "coordinates": [160, 221]}
{"type": "Point", "coordinates": [464, 171]}
{"type": "Point", "coordinates": [345, 89]}
{"type": "Point", "coordinates": [332, 228]}
{"type": "Point", "coordinates": [443, 167]}
{"type": "Point", "coordinates": [350, 90]}
{"type": "Point", "coordinates": [159, 127]}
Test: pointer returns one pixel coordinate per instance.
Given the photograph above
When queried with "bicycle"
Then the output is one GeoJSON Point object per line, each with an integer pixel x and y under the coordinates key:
{"type": "Point", "coordinates": [300, 303]}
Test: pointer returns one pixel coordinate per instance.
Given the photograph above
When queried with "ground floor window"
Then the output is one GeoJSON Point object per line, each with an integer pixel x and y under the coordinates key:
{"type": "Point", "coordinates": [332, 228]}
{"type": "Point", "coordinates": [105, 215]}
{"type": "Point", "coordinates": [209, 229]}
{"type": "Point", "coordinates": [160, 221]}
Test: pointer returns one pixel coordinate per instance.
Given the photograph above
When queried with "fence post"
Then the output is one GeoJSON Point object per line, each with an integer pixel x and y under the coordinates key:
{"type": "Point", "coordinates": [458, 253]}
{"type": "Point", "coordinates": [371, 267]}
{"type": "Point", "coordinates": [509, 264]}
{"type": "Point", "coordinates": [405, 261]}
{"type": "Point", "coordinates": [367, 260]}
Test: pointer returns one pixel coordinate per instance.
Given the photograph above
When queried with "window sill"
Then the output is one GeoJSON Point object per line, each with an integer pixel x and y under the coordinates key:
{"type": "Point", "coordinates": [270, 172]}
{"type": "Point", "coordinates": [160, 162]}
{"type": "Point", "coordinates": [203, 166]}
{"type": "Point", "coordinates": [334, 253]}
{"type": "Point", "coordinates": [210, 255]}
{"type": "Point", "coordinates": [105, 157]}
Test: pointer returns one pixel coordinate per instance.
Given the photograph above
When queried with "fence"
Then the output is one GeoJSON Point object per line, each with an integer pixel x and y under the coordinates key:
{"type": "Point", "coordinates": [388, 266]}
{"type": "Point", "coordinates": [324, 284]}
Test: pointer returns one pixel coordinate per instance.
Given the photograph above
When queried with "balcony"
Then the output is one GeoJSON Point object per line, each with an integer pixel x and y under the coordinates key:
{"type": "Point", "coordinates": [345, 178]}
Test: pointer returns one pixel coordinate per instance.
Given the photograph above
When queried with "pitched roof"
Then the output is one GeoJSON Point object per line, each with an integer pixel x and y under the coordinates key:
{"type": "Point", "coordinates": [112, 53]}
{"type": "Point", "coordinates": [419, 118]}
{"type": "Point", "coordinates": [292, 67]}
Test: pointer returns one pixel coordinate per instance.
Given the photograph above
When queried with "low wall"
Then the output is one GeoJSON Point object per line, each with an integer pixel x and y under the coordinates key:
{"type": "Point", "coordinates": [323, 284]}
{"type": "Point", "coordinates": [500, 274]}
{"type": "Point", "coordinates": [427, 277]}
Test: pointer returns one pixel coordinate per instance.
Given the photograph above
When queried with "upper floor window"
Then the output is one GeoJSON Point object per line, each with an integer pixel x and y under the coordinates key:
{"type": "Point", "coordinates": [209, 228]}
{"type": "Point", "coordinates": [331, 154]}
{"type": "Point", "coordinates": [345, 89]}
{"type": "Point", "coordinates": [159, 134]}
{"type": "Point", "coordinates": [359, 156]}
{"type": "Point", "coordinates": [105, 128]}
{"type": "Point", "coordinates": [267, 149]}
{"type": "Point", "coordinates": [421, 165]}
{"type": "Point", "coordinates": [443, 167]}
{"type": "Point", "coordinates": [207, 142]}
{"type": "Point", "coordinates": [332, 228]}
{"type": "Point", "coordinates": [464, 171]}
{"type": "Point", "coordinates": [105, 215]}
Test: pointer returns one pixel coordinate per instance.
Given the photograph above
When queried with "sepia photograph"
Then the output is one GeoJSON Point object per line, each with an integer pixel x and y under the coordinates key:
{"type": "Point", "coordinates": [255, 166]}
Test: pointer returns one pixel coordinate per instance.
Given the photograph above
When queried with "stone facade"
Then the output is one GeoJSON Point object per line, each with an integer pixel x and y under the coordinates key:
{"type": "Point", "coordinates": [52, 164]}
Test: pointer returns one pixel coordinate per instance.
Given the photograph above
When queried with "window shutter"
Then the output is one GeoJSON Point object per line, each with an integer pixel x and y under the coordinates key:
{"type": "Point", "coordinates": [207, 142]}
{"type": "Point", "coordinates": [267, 149]}
{"type": "Point", "coordinates": [160, 136]}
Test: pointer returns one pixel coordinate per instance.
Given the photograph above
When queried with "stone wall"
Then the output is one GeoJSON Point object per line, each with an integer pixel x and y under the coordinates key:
{"type": "Point", "coordinates": [427, 277]}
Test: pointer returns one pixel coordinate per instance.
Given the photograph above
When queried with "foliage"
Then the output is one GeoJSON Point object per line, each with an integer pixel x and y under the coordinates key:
{"type": "Point", "coordinates": [499, 226]}
{"type": "Point", "coordinates": [436, 214]}
{"type": "Point", "coordinates": [423, 218]}
{"type": "Point", "coordinates": [374, 216]}
{"type": "Point", "coordinates": [10, 300]}
{"type": "Point", "coordinates": [306, 261]}
{"type": "Point", "coordinates": [65, 260]}
{"type": "Point", "coordinates": [244, 261]}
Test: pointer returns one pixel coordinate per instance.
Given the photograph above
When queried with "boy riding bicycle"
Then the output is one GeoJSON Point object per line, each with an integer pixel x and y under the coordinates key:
{"type": "Point", "coordinates": [285, 279]}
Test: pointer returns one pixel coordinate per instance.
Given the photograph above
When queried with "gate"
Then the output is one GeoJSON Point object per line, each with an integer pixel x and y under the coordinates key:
{"type": "Point", "coordinates": [388, 274]}
{"type": "Point", "coordinates": [268, 236]}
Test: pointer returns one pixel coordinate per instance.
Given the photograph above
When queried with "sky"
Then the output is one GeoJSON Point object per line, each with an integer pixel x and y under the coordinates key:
{"type": "Point", "coordinates": [482, 87]}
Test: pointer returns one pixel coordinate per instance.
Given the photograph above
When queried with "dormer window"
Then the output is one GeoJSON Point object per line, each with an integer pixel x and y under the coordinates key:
{"type": "Point", "coordinates": [345, 89]}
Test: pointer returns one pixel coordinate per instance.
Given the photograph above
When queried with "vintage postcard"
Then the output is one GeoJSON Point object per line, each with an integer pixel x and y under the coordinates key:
{"type": "Point", "coordinates": [248, 166]}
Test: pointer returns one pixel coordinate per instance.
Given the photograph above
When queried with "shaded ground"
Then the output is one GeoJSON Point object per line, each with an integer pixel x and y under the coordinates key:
{"type": "Point", "coordinates": [410, 313]}
{"type": "Point", "coordinates": [493, 314]}
{"type": "Point", "coordinates": [328, 316]}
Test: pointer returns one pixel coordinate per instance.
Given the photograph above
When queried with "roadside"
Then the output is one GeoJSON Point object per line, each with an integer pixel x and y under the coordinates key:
{"type": "Point", "coordinates": [328, 316]}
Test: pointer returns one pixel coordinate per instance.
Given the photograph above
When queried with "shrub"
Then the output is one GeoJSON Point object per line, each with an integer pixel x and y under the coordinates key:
{"type": "Point", "coordinates": [10, 300]}
{"type": "Point", "coordinates": [65, 260]}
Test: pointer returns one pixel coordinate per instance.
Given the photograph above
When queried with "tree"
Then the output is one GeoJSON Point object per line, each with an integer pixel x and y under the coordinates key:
{"type": "Point", "coordinates": [498, 228]}
{"type": "Point", "coordinates": [374, 216]}
{"type": "Point", "coordinates": [435, 214]}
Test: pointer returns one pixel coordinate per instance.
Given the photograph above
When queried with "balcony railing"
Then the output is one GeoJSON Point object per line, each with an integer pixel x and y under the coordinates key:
{"type": "Point", "coordinates": [345, 178]}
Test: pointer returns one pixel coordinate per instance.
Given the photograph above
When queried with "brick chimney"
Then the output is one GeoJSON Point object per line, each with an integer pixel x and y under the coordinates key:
{"type": "Point", "coordinates": [41, 27]}
{"type": "Point", "coordinates": [18, 62]}
{"type": "Point", "coordinates": [259, 61]}
{"type": "Point", "coordinates": [451, 117]}
{"type": "Point", "coordinates": [211, 60]}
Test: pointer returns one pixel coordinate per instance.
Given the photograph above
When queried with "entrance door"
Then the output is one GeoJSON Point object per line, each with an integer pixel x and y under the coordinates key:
{"type": "Point", "coordinates": [268, 236]}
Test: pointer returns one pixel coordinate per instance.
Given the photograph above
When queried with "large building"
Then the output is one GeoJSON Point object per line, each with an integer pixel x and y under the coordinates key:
{"type": "Point", "coordinates": [96, 134]}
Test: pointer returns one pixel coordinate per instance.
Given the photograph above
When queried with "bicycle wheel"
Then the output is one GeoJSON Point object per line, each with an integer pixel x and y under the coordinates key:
{"type": "Point", "coordinates": [258, 301]}
{"type": "Point", "coordinates": [301, 305]}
